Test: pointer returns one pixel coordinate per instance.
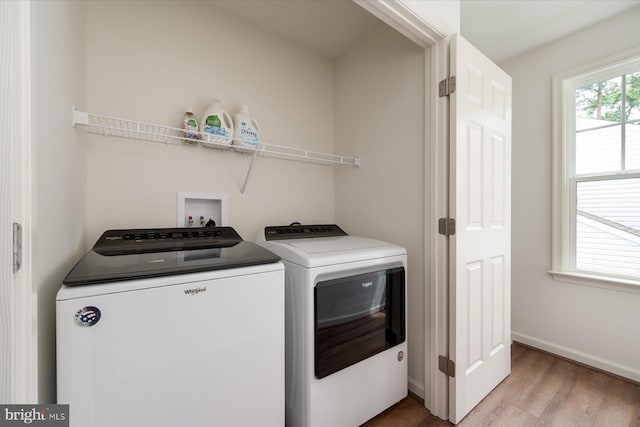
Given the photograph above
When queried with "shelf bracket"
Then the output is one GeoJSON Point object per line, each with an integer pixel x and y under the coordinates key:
{"type": "Point", "coordinates": [79, 117]}
{"type": "Point", "coordinates": [246, 179]}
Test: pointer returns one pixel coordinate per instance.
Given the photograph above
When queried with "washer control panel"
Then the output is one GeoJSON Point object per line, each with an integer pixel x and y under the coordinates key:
{"type": "Point", "coordinates": [126, 242]}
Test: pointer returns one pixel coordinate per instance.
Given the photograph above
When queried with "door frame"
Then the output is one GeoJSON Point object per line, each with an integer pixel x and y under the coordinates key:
{"type": "Point", "coordinates": [21, 353]}
{"type": "Point", "coordinates": [437, 289]}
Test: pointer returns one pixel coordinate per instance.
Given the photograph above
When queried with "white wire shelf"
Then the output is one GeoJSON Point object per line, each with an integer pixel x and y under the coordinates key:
{"type": "Point", "coordinates": [130, 129]}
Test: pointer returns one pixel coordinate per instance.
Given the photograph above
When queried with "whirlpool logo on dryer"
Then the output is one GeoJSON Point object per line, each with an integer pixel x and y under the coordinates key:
{"type": "Point", "coordinates": [195, 291]}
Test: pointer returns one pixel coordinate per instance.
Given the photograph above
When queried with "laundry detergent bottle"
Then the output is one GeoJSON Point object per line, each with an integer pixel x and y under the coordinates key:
{"type": "Point", "coordinates": [247, 129]}
{"type": "Point", "coordinates": [189, 127]}
{"type": "Point", "coordinates": [216, 125]}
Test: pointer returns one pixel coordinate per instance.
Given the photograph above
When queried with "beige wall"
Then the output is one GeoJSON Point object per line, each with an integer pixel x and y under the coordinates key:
{"type": "Point", "coordinates": [150, 63]}
{"type": "Point", "coordinates": [380, 115]}
{"type": "Point", "coordinates": [59, 165]}
{"type": "Point", "coordinates": [596, 326]}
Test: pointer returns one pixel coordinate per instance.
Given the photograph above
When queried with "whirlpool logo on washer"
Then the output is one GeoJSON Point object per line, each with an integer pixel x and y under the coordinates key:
{"type": "Point", "coordinates": [87, 316]}
{"type": "Point", "coordinates": [367, 284]}
{"type": "Point", "coordinates": [195, 291]}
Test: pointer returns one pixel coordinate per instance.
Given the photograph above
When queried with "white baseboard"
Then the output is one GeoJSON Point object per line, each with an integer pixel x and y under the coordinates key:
{"type": "Point", "coordinates": [416, 387]}
{"type": "Point", "coordinates": [578, 356]}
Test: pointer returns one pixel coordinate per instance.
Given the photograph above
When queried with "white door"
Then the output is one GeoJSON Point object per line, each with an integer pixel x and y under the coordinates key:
{"type": "Point", "coordinates": [480, 249]}
{"type": "Point", "coordinates": [16, 343]}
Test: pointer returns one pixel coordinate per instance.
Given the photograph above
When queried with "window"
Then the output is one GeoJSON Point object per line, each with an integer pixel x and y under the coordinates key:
{"type": "Point", "coordinates": [597, 174]}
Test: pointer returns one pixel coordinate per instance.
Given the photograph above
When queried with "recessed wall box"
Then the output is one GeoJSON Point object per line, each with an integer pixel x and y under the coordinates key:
{"type": "Point", "coordinates": [195, 205]}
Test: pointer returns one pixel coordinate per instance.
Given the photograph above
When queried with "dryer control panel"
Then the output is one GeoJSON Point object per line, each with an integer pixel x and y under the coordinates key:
{"type": "Point", "coordinates": [301, 231]}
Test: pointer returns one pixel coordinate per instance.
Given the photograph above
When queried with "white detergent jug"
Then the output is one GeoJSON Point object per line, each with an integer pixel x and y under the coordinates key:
{"type": "Point", "coordinates": [217, 126]}
{"type": "Point", "coordinates": [247, 130]}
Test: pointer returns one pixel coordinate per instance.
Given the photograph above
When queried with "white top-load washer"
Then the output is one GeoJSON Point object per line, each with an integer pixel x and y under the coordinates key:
{"type": "Point", "coordinates": [345, 340]}
{"type": "Point", "coordinates": [172, 327]}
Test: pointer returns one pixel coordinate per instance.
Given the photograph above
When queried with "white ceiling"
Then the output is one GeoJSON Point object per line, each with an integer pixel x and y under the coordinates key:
{"type": "Point", "coordinates": [327, 27]}
{"type": "Point", "coordinates": [501, 29]}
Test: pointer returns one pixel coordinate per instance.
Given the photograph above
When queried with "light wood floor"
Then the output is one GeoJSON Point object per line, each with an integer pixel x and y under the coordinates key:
{"type": "Point", "coordinates": [542, 390]}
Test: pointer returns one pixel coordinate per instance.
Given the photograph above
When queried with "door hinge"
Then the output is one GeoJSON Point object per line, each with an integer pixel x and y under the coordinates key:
{"type": "Point", "coordinates": [17, 247]}
{"type": "Point", "coordinates": [447, 366]}
{"type": "Point", "coordinates": [447, 226]}
{"type": "Point", "coordinates": [447, 86]}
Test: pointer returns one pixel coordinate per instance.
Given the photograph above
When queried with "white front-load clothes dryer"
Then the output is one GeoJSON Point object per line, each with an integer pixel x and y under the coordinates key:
{"type": "Point", "coordinates": [345, 340]}
{"type": "Point", "coordinates": [175, 328]}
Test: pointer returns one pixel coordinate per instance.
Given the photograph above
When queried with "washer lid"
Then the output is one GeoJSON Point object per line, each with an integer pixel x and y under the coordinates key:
{"type": "Point", "coordinates": [316, 252]}
{"type": "Point", "coordinates": [133, 254]}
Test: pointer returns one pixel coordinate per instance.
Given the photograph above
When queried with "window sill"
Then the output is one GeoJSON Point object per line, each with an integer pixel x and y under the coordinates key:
{"type": "Point", "coordinates": [620, 285]}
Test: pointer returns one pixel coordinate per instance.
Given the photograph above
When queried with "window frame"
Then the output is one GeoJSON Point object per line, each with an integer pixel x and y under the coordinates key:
{"type": "Point", "coordinates": [564, 179]}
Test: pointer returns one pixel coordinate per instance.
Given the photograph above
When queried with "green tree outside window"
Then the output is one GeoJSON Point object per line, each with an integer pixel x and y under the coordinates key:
{"type": "Point", "coordinates": [603, 100]}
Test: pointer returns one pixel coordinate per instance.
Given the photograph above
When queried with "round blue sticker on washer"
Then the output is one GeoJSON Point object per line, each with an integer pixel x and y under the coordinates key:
{"type": "Point", "coordinates": [87, 316]}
